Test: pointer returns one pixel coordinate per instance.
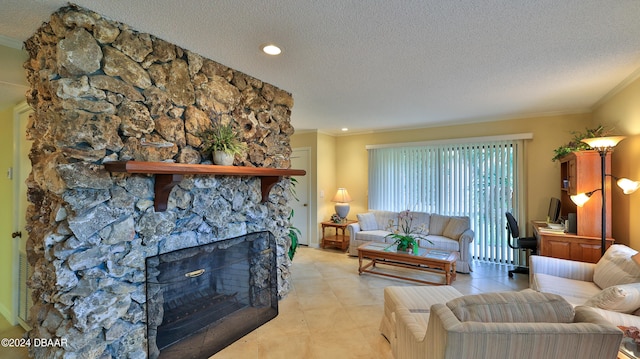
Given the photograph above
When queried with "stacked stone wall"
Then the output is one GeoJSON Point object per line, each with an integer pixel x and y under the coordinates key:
{"type": "Point", "coordinates": [102, 91]}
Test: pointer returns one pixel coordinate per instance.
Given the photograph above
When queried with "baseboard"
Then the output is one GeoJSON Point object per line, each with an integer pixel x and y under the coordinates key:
{"type": "Point", "coordinates": [24, 325]}
{"type": "Point", "coordinates": [8, 315]}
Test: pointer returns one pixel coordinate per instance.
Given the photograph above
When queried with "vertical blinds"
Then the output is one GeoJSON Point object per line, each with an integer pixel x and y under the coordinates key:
{"type": "Point", "coordinates": [479, 180]}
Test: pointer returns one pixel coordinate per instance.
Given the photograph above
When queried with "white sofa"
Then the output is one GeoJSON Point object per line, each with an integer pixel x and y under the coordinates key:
{"type": "Point", "coordinates": [505, 325]}
{"type": "Point", "coordinates": [611, 286]}
{"type": "Point", "coordinates": [446, 232]}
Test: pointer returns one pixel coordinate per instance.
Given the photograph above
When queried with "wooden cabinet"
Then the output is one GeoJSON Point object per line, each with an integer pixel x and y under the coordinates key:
{"type": "Point", "coordinates": [580, 173]}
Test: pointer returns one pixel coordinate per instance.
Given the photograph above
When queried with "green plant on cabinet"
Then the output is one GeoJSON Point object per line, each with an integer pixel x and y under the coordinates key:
{"type": "Point", "coordinates": [576, 143]}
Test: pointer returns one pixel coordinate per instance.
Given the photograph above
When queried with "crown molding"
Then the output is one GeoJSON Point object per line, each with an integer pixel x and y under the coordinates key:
{"type": "Point", "coordinates": [10, 42]}
{"type": "Point", "coordinates": [614, 91]}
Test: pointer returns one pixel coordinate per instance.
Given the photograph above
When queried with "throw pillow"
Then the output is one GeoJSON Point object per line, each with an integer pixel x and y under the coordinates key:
{"type": "Point", "coordinates": [367, 221]}
{"type": "Point", "coordinates": [512, 307]}
{"type": "Point", "coordinates": [455, 227]}
{"type": "Point", "coordinates": [616, 267]}
{"type": "Point", "coordinates": [385, 219]}
{"type": "Point", "coordinates": [437, 224]}
{"type": "Point", "coordinates": [421, 220]}
{"type": "Point", "coordinates": [624, 298]}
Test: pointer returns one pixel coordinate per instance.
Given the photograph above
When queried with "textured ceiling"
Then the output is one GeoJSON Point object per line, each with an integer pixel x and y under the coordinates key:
{"type": "Point", "coordinates": [371, 65]}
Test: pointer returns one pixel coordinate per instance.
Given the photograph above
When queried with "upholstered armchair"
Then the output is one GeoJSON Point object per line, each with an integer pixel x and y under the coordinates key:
{"type": "Point", "coordinates": [611, 286]}
{"type": "Point", "coordinates": [506, 325]}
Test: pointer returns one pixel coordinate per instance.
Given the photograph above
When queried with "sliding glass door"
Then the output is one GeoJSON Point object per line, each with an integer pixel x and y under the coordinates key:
{"type": "Point", "coordinates": [479, 180]}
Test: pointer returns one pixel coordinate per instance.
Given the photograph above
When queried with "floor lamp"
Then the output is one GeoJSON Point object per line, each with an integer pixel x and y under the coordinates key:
{"type": "Point", "coordinates": [603, 145]}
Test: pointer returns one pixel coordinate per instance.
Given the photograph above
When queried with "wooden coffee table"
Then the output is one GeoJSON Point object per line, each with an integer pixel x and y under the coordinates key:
{"type": "Point", "coordinates": [429, 260]}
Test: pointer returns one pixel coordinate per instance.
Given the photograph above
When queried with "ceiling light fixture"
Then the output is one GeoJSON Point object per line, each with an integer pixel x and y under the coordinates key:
{"type": "Point", "coordinates": [344, 129]}
{"type": "Point", "coordinates": [271, 49]}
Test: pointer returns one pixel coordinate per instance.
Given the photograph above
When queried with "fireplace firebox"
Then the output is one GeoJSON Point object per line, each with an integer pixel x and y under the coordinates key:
{"type": "Point", "coordinates": [203, 298]}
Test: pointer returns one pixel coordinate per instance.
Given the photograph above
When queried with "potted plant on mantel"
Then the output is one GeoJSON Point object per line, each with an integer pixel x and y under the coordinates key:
{"type": "Point", "coordinates": [576, 143]}
{"type": "Point", "coordinates": [223, 142]}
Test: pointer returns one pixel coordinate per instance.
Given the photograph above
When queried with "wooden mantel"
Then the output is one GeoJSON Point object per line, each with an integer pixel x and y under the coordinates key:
{"type": "Point", "coordinates": [170, 174]}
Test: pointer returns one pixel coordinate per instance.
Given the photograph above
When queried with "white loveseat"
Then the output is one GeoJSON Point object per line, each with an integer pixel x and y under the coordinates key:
{"type": "Point", "coordinates": [445, 232]}
{"type": "Point", "coordinates": [611, 286]}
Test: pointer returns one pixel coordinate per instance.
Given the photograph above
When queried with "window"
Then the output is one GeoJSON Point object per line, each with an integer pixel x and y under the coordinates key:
{"type": "Point", "coordinates": [480, 180]}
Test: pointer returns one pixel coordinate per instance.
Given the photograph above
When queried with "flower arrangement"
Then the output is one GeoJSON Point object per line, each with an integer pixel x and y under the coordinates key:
{"type": "Point", "coordinates": [631, 332]}
{"type": "Point", "coordinates": [405, 234]}
{"type": "Point", "coordinates": [335, 218]}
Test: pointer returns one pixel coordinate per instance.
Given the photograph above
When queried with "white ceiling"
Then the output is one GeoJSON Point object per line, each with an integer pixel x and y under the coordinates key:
{"type": "Point", "coordinates": [371, 65]}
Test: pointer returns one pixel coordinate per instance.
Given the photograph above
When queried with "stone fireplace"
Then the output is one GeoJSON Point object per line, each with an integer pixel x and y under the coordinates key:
{"type": "Point", "coordinates": [103, 92]}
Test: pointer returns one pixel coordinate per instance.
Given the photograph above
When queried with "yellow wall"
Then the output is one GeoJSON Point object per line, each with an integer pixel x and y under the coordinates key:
{"type": "Point", "coordinates": [327, 179]}
{"type": "Point", "coordinates": [6, 213]}
{"type": "Point", "coordinates": [622, 112]}
{"type": "Point", "coordinates": [542, 174]}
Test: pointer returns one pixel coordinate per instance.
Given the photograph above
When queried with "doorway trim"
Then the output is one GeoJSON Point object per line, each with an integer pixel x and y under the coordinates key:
{"type": "Point", "coordinates": [18, 111]}
{"type": "Point", "coordinates": [306, 152]}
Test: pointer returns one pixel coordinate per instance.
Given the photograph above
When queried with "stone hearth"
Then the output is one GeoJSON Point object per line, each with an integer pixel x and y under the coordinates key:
{"type": "Point", "coordinates": [101, 92]}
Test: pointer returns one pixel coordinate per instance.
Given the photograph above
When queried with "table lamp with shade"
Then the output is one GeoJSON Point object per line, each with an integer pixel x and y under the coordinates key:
{"type": "Point", "coordinates": [342, 200]}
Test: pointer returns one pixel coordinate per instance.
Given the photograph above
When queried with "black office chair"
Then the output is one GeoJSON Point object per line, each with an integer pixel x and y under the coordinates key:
{"type": "Point", "coordinates": [525, 243]}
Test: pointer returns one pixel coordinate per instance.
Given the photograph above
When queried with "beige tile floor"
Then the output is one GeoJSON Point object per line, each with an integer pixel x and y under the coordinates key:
{"type": "Point", "coordinates": [331, 312]}
{"type": "Point", "coordinates": [7, 331]}
{"type": "Point", "coordinates": [334, 313]}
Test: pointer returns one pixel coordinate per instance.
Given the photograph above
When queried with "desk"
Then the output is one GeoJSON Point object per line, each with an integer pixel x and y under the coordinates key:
{"type": "Point", "coordinates": [568, 246]}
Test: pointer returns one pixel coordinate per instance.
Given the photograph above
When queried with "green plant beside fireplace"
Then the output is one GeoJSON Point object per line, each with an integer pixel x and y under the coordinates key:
{"type": "Point", "coordinates": [294, 233]}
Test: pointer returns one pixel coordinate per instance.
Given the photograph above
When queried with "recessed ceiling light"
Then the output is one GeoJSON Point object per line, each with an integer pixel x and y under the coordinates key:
{"type": "Point", "coordinates": [271, 49]}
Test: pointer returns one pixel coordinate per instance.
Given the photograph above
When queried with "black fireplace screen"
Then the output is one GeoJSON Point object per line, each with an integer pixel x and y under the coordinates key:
{"type": "Point", "coordinates": [201, 299]}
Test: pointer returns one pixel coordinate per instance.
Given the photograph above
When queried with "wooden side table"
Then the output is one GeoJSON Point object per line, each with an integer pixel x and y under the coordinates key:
{"type": "Point", "coordinates": [338, 240]}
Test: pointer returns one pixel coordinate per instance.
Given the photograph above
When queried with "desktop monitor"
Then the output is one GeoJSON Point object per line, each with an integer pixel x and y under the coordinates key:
{"type": "Point", "coordinates": [554, 210]}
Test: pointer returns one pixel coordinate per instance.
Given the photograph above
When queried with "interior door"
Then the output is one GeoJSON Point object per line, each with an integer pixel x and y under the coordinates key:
{"type": "Point", "coordinates": [300, 159]}
{"type": "Point", "coordinates": [21, 170]}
